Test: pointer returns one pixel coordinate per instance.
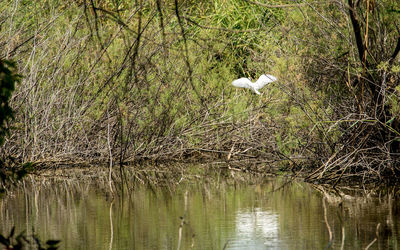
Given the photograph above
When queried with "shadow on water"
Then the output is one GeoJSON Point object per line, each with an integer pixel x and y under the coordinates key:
{"type": "Point", "coordinates": [207, 214]}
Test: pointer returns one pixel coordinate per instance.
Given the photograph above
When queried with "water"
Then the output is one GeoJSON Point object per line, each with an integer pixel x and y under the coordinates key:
{"type": "Point", "coordinates": [200, 216]}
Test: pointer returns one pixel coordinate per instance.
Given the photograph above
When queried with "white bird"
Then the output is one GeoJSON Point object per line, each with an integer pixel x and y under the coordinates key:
{"type": "Point", "coordinates": [261, 82]}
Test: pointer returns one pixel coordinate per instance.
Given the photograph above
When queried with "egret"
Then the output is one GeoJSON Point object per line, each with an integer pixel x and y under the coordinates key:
{"type": "Point", "coordinates": [261, 82]}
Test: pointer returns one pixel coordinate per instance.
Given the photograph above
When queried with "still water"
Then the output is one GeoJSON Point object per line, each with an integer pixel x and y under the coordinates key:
{"type": "Point", "coordinates": [201, 216]}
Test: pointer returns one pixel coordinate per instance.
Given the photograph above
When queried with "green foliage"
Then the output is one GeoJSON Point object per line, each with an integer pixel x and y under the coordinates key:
{"type": "Point", "coordinates": [11, 175]}
{"type": "Point", "coordinates": [7, 85]}
{"type": "Point", "coordinates": [8, 78]}
{"type": "Point", "coordinates": [394, 102]}
{"type": "Point", "coordinates": [93, 71]}
{"type": "Point", "coordinates": [10, 242]}
{"type": "Point", "coordinates": [20, 241]}
{"type": "Point", "coordinates": [237, 32]}
{"type": "Point", "coordinates": [121, 72]}
{"type": "Point", "coordinates": [395, 69]}
{"type": "Point", "coordinates": [49, 245]}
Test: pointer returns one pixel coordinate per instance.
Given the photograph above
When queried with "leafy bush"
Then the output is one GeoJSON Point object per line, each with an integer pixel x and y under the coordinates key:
{"type": "Point", "coordinates": [7, 85]}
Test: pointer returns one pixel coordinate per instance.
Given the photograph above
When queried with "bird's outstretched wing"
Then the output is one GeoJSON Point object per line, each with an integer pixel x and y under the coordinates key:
{"type": "Point", "coordinates": [242, 83]}
{"type": "Point", "coordinates": [264, 80]}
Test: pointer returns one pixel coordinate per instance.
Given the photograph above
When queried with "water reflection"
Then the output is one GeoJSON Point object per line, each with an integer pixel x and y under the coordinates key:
{"type": "Point", "coordinates": [256, 229]}
{"type": "Point", "coordinates": [212, 216]}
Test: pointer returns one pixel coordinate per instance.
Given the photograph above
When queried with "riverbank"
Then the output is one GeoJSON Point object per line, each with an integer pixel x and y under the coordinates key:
{"type": "Point", "coordinates": [130, 83]}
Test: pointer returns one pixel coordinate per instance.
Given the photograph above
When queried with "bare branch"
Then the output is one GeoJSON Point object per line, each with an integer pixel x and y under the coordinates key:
{"type": "Point", "coordinates": [396, 52]}
{"type": "Point", "coordinates": [115, 18]}
{"type": "Point", "coordinates": [357, 31]}
{"type": "Point", "coordinates": [189, 67]}
{"type": "Point", "coordinates": [14, 50]}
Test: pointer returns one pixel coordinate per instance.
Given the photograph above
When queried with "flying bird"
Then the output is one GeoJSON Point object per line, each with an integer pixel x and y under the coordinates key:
{"type": "Point", "coordinates": [261, 82]}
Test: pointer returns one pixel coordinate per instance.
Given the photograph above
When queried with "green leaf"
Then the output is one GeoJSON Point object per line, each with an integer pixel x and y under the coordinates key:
{"type": "Point", "coordinates": [52, 242]}
{"type": "Point", "coordinates": [394, 11]}
{"type": "Point", "coordinates": [11, 233]}
{"type": "Point", "coordinates": [4, 241]}
{"type": "Point", "coordinates": [390, 121]}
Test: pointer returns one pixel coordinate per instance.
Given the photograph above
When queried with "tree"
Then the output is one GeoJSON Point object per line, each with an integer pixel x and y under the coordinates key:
{"type": "Point", "coordinates": [355, 64]}
{"type": "Point", "coordinates": [377, 52]}
{"type": "Point", "coordinates": [8, 78]}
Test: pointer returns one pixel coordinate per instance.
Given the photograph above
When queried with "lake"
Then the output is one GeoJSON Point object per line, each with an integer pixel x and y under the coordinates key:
{"type": "Point", "coordinates": [204, 215]}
